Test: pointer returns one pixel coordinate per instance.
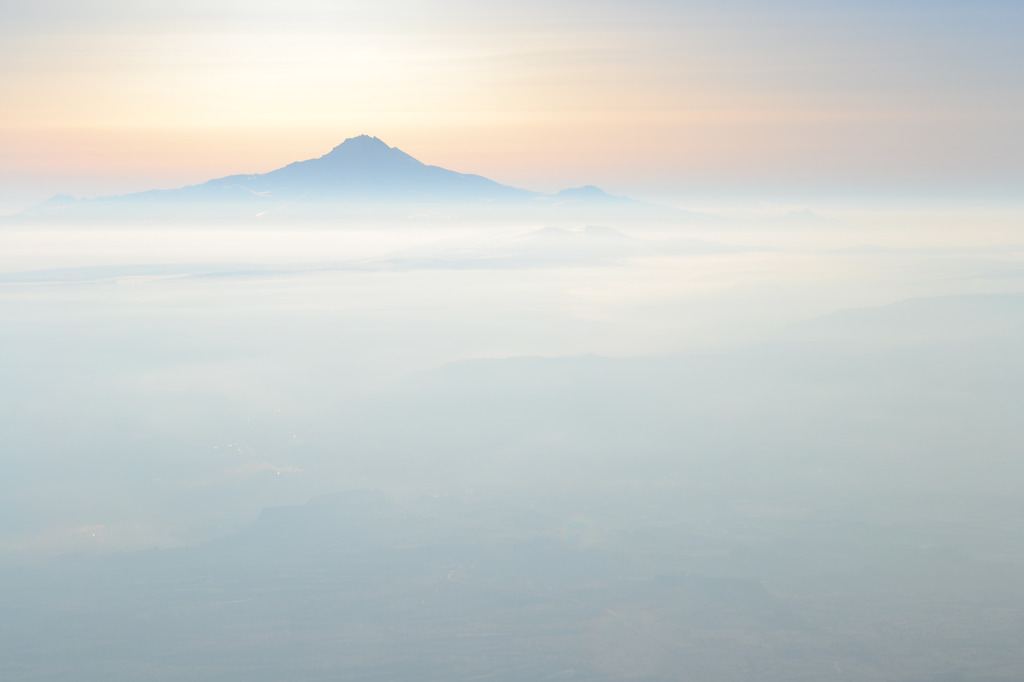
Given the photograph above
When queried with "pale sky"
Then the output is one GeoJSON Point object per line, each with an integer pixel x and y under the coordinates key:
{"type": "Point", "coordinates": [923, 97]}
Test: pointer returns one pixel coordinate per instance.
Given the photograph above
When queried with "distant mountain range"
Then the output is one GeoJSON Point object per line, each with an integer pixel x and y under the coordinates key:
{"type": "Point", "coordinates": [361, 177]}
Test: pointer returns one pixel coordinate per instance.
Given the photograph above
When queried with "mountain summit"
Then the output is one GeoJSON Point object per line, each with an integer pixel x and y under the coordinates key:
{"type": "Point", "coordinates": [364, 147]}
{"type": "Point", "coordinates": [355, 159]}
{"type": "Point", "coordinates": [364, 167]}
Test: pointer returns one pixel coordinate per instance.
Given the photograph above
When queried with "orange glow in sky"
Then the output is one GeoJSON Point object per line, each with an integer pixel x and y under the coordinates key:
{"type": "Point", "coordinates": [104, 97]}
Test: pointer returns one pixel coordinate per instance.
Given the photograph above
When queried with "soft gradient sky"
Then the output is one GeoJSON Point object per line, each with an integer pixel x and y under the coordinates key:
{"type": "Point", "coordinates": [779, 99]}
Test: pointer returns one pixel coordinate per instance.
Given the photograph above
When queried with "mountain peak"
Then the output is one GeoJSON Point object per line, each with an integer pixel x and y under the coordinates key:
{"type": "Point", "coordinates": [362, 142]}
{"type": "Point", "coordinates": [366, 152]}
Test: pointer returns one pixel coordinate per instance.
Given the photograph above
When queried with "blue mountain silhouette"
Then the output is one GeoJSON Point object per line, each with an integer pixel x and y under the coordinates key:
{"type": "Point", "coordinates": [362, 174]}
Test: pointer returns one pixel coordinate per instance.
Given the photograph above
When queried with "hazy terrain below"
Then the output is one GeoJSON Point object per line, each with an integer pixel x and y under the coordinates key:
{"type": "Point", "coordinates": [756, 450]}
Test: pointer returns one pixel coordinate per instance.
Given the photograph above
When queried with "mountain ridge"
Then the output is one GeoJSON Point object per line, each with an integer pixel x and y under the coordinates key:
{"type": "Point", "coordinates": [361, 174]}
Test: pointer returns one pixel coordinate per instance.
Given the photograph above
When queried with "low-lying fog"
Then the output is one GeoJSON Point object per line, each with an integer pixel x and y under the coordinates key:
{"type": "Point", "coordinates": [786, 450]}
{"type": "Point", "coordinates": [162, 386]}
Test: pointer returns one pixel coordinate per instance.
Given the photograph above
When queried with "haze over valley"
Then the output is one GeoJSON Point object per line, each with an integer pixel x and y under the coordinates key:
{"type": "Point", "coordinates": [670, 442]}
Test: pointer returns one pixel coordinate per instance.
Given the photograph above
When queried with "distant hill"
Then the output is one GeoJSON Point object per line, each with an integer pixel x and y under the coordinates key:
{"type": "Point", "coordinates": [362, 177]}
